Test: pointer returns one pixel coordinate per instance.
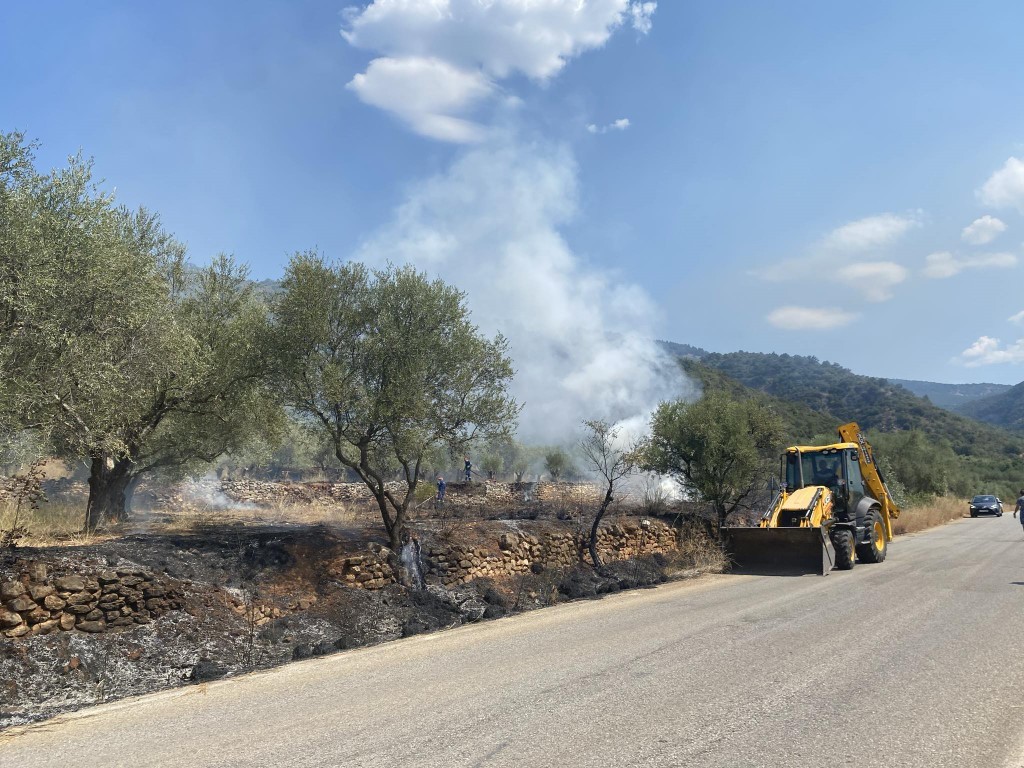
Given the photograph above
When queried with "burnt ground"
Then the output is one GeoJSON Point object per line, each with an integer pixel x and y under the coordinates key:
{"type": "Point", "coordinates": [255, 596]}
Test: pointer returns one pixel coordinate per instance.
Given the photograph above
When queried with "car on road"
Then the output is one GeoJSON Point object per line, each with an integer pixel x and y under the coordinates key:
{"type": "Point", "coordinates": [986, 505]}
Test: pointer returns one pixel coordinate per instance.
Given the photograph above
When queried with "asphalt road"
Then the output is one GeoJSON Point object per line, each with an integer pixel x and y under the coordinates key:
{"type": "Point", "coordinates": [913, 662]}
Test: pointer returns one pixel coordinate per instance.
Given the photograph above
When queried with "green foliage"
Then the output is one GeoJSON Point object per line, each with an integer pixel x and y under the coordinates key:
{"type": "Point", "coordinates": [1004, 409]}
{"type": "Point", "coordinates": [389, 367]}
{"type": "Point", "coordinates": [800, 423]}
{"type": "Point", "coordinates": [492, 463]}
{"type": "Point", "coordinates": [874, 403]}
{"type": "Point", "coordinates": [819, 396]}
{"type": "Point", "coordinates": [113, 351]}
{"type": "Point", "coordinates": [720, 449]}
{"type": "Point", "coordinates": [557, 463]}
{"type": "Point", "coordinates": [952, 397]}
{"type": "Point", "coordinates": [923, 465]}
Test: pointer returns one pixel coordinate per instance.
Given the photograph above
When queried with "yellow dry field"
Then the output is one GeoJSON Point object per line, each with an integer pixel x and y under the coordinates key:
{"type": "Point", "coordinates": [938, 511]}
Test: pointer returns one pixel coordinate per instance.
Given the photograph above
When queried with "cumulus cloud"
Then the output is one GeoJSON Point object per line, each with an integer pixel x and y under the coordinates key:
{"type": "Point", "coordinates": [944, 264]}
{"type": "Point", "coordinates": [619, 125]}
{"type": "Point", "coordinates": [983, 230]}
{"type": "Point", "coordinates": [581, 338]}
{"type": "Point", "coordinates": [458, 49]}
{"type": "Point", "coordinates": [428, 94]}
{"type": "Point", "coordinates": [874, 279]}
{"type": "Point", "coordinates": [989, 351]}
{"type": "Point", "coordinates": [1005, 187]}
{"type": "Point", "coordinates": [793, 318]}
{"type": "Point", "coordinates": [870, 232]}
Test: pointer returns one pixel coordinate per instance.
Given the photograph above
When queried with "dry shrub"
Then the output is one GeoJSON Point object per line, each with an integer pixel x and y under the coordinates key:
{"type": "Point", "coordinates": [938, 511]}
{"type": "Point", "coordinates": [697, 551]}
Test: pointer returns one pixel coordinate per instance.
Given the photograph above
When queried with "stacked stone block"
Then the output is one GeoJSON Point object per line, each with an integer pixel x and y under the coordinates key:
{"type": "Point", "coordinates": [35, 603]}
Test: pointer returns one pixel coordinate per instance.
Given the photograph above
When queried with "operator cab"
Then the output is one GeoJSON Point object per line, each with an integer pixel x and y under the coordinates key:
{"type": "Point", "coordinates": [833, 466]}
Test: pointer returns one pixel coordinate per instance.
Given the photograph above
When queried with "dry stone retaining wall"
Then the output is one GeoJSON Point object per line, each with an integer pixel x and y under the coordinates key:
{"type": "Point", "coordinates": [511, 554]}
{"type": "Point", "coordinates": [35, 602]}
{"type": "Point", "coordinates": [520, 553]}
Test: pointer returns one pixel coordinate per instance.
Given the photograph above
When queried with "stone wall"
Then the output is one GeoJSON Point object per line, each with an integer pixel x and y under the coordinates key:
{"type": "Point", "coordinates": [267, 494]}
{"type": "Point", "coordinates": [517, 553]}
{"type": "Point", "coordinates": [511, 554]}
{"type": "Point", "coordinates": [36, 602]}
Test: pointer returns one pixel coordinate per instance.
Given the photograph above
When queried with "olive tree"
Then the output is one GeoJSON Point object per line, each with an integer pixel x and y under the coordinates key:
{"type": "Point", "coordinates": [389, 367]}
{"type": "Point", "coordinates": [604, 454]}
{"type": "Point", "coordinates": [112, 350]}
{"type": "Point", "coordinates": [557, 463]}
{"type": "Point", "coordinates": [719, 449]}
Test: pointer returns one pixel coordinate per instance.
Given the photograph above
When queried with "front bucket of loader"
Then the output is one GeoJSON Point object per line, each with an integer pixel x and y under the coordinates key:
{"type": "Point", "coordinates": [782, 551]}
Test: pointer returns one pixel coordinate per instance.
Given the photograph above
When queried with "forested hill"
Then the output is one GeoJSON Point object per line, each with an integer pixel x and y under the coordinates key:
{"type": "Point", "coordinates": [874, 403]}
{"type": "Point", "coordinates": [953, 397]}
{"type": "Point", "coordinates": [683, 350]}
{"type": "Point", "coordinates": [802, 424]}
{"type": "Point", "coordinates": [1005, 409]}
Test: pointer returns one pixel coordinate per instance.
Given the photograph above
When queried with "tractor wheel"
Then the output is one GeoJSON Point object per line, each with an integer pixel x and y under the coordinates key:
{"type": "Point", "coordinates": [876, 547]}
{"type": "Point", "coordinates": [842, 540]}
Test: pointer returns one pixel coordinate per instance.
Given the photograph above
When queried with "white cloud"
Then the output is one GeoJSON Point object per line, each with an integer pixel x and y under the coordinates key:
{"type": "Point", "coordinates": [870, 232]}
{"type": "Point", "coordinates": [427, 94]}
{"type": "Point", "coordinates": [1005, 187]}
{"type": "Point", "coordinates": [1017, 318]}
{"type": "Point", "coordinates": [581, 338]}
{"type": "Point", "coordinates": [619, 125]}
{"type": "Point", "coordinates": [454, 51]}
{"type": "Point", "coordinates": [640, 14]}
{"type": "Point", "coordinates": [989, 351]}
{"type": "Point", "coordinates": [874, 279]}
{"type": "Point", "coordinates": [944, 264]}
{"type": "Point", "coordinates": [810, 318]}
{"type": "Point", "coordinates": [983, 230]}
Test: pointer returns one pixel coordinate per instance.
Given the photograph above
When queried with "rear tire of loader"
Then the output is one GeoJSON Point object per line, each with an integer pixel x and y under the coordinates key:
{"type": "Point", "coordinates": [845, 555]}
{"type": "Point", "coordinates": [874, 550]}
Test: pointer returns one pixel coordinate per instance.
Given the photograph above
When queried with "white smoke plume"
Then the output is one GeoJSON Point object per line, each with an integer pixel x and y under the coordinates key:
{"type": "Point", "coordinates": [581, 338]}
{"type": "Point", "coordinates": [206, 492]}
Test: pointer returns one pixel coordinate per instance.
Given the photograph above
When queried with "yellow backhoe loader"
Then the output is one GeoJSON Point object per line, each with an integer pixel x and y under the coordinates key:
{"type": "Point", "coordinates": [832, 510]}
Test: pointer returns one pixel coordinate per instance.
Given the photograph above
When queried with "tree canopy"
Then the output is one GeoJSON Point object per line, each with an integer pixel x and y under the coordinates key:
{"type": "Point", "coordinates": [719, 449]}
{"type": "Point", "coordinates": [389, 367]}
{"type": "Point", "coordinates": [114, 351]}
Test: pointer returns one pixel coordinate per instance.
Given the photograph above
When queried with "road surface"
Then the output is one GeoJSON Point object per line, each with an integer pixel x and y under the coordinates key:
{"type": "Point", "coordinates": [913, 662]}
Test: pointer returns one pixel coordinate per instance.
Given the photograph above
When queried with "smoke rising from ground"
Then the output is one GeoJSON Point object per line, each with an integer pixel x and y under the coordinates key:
{"type": "Point", "coordinates": [581, 338]}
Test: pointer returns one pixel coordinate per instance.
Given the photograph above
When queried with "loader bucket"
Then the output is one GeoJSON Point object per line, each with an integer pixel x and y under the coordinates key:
{"type": "Point", "coordinates": [782, 551]}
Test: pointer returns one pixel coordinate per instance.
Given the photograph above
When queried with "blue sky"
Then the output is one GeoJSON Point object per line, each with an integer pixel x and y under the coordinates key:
{"type": "Point", "coordinates": [814, 178]}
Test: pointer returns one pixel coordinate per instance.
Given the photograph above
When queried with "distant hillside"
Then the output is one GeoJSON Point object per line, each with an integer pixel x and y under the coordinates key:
{"type": "Point", "coordinates": [929, 449]}
{"type": "Point", "coordinates": [874, 403]}
{"type": "Point", "coordinates": [1004, 409]}
{"type": "Point", "coordinates": [802, 424]}
{"type": "Point", "coordinates": [683, 350]}
{"type": "Point", "coordinates": [952, 397]}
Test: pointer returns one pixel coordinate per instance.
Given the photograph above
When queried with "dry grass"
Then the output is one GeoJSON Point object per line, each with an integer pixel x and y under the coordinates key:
{"type": "Point", "coordinates": [938, 511]}
{"type": "Point", "coordinates": [60, 522]}
{"type": "Point", "coordinates": [55, 522]}
{"type": "Point", "coordinates": [192, 517]}
{"type": "Point", "coordinates": [698, 552]}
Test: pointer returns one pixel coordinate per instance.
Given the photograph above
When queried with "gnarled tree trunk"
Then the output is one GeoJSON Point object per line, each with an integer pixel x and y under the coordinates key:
{"type": "Point", "coordinates": [109, 481]}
